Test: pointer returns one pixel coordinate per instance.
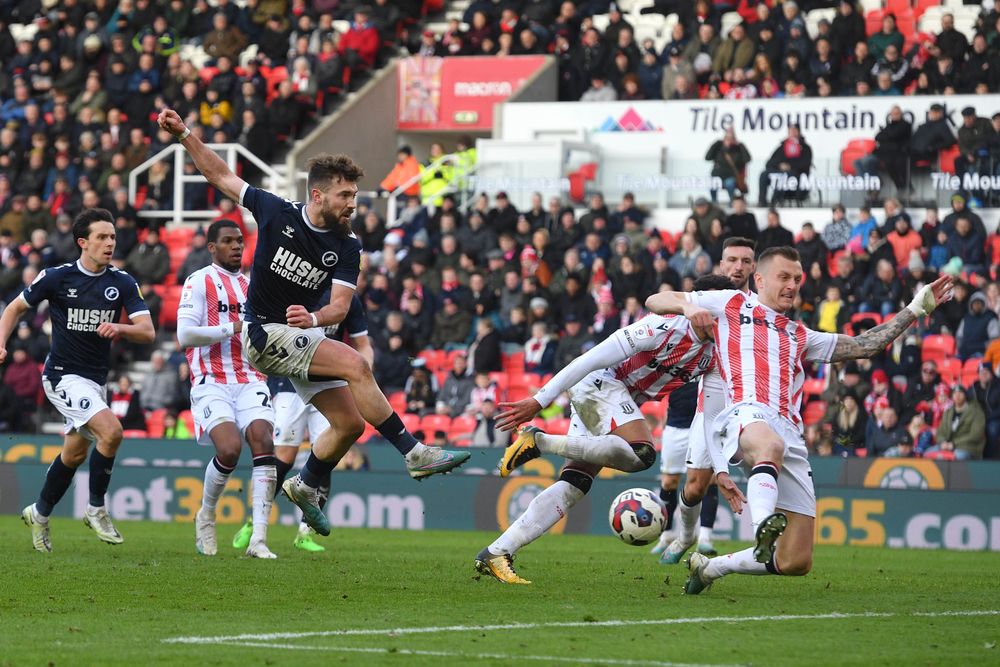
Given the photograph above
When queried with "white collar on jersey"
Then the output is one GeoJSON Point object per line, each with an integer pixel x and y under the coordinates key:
{"type": "Point", "coordinates": [234, 274]}
{"type": "Point", "coordinates": [305, 219]}
{"type": "Point", "coordinates": [83, 269]}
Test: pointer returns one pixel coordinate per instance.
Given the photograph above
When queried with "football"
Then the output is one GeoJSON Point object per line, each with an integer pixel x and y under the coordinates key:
{"type": "Point", "coordinates": [637, 516]}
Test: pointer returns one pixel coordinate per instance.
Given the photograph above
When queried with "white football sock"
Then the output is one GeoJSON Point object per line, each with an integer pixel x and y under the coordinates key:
{"type": "Point", "coordinates": [215, 484]}
{"type": "Point", "coordinates": [741, 562]}
{"type": "Point", "coordinates": [414, 454]}
{"type": "Point", "coordinates": [762, 494]}
{"type": "Point", "coordinates": [609, 451]}
{"type": "Point", "coordinates": [544, 512]}
{"type": "Point", "coordinates": [704, 535]}
{"type": "Point", "coordinates": [690, 516]}
{"type": "Point", "coordinates": [263, 480]}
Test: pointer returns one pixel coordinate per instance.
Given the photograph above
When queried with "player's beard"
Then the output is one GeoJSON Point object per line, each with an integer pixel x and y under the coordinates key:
{"type": "Point", "coordinates": [333, 222]}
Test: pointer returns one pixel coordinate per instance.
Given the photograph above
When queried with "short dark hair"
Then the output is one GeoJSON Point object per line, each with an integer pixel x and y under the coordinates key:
{"type": "Point", "coordinates": [81, 226]}
{"type": "Point", "coordinates": [212, 236]}
{"type": "Point", "coordinates": [739, 242]}
{"type": "Point", "coordinates": [325, 167]}
{"type": "Point", "coordinates": [713, 282]}
{"type": "Point", "coordinates": [786, 251]}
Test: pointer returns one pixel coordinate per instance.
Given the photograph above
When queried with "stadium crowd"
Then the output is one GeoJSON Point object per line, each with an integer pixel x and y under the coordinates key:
{"type": "Point", "coordinates": [466, 307]}
{"type": "Point", "coordinates": [768, 52]}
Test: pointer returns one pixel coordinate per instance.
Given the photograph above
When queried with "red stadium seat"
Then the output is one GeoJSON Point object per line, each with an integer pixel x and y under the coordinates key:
{"type": "Point", "coordinates": [432, 423]}
{"type": "Point", "coordinates": [513, 361]}
{"type": "Point", "coordinates": [946, 158]}
{"type": "Point", "coordinates": [436, 359]}
{"type": "Point", "coordinates": [557, 425]}
{"type": "Point", "coordinates": [369, 433]}
{"type": "Point", "coordinates": [154, 423]}
{"type": "Point", "coordinates": [188, 420]}
{"type": "Point", "coordinates": [171, 300]}
{"type": "Point", "coordinates": [135, 433]}
{"type": "Point", "coordinates": [938, 347]}
{"type": "Point", "coordinates": [814, 386]}
{"type": "Point", "coordinates": [855, 149]}
{"type": "Point", "coordinates": [993, 244]}
{"type": "Point", "coordinates": [873, 22]}
{"type": "Point", "coordinates": [940, 456]}
{"type": "Point", "coordinates": [814, 412]}
{"type": "Point", "coordinates": [463, 425]}
{"type": "Point", "coordinates": [410, 421]}
{"type": "Point", "coordinates": [970, 371]}
{"type": "Point", "coordinates": [517, 393]}
{"type": "Point", "coordinates": [950, 369]}
{"type": "Point", "coordinates": [397, 400]}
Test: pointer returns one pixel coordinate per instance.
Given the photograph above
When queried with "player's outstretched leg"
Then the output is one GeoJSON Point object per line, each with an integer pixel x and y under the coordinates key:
{"type": "Point", "coordinates": [305, 538]}
{"type": "Point", "coordinates": [690, 503]}
{"type": "Point", "coordinates": [337, 360]}
{"type": "Point", "coordinates": [107, 431]}
{"type": "Point", "coordinates": [607, 451]}
{"type": "Point", "coordinates": [547, 508]}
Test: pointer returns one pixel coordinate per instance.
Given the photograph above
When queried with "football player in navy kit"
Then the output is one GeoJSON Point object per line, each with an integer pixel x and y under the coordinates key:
{"type": "Point", "coordinates": [303, 249]}
{"type": "Point", "coordinates": [85, 298]}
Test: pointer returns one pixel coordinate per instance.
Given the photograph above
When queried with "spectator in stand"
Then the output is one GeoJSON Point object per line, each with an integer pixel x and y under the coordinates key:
{"type": "Point", "coordinates": [986, 391]}
{"type": "Point", "coordinates": [967, 243]}
{"type": "Point", "coordinates": [23, 379]}
{"type": "Point", "coordinates": [406, 168]}
{"type": "Point", "coordinates": [540, 350]}
{"type": "Point", "coordinates": [838, 230]}
{"type": "Point", "coordinates": [421, 389]}
{"type": "Point", "coordinates": [932, 137]}
{"type": "Point", "coordinates": [883, 430]}
{"type": "Point", "coordinates": [735, 52]}
{"type": "Point", "coordinates": [729, 162]}
{"type": "Point", "coordinates": [285, 112]}
{"type": "Point", "coordinates": [273, 42]}
{"type": "Point", "coordinates": [742, 222]}
{"type": "Point", "coordinates": [882, 291]}
{"type": "Point", "coordinates": [848, 28]}
{"type": "Point", "coordinates": [677, 67]}
{"type": "Point", "coordinates": [921, 389]}
{"type": "Point", "coordinates": [452, 325]}
{"type": "Point", "coordinates": [224, 39]}
{"type": "Point", "coordinates": [359, 46]}
{"type": "Point", "coordinates": [485, 349]}
{"type": "Point", "coordinates": [150, 260]}
{"type": "Point", "coordinates": [160, 384]}
{"type": "Point", "coordinates": [487, 434]}
{"type": "Point", "coordinates": [849, 424]}
{"type": "Point", "coordinates": [949, 41]}
{"type": "Point", "coordinates": [793, 157]}
{"type": "Point", "coordinates": [903, 241]}
{"type": "Point", "coordinates": [811, 248]}
{"type": "Point", "coordinates": [125, 404]}
{"type": "Point", "coordinates": [973, 138]}
{"type": "Point", "coordinates": [456, 393]}
{"type": "Point", "coordinates": [571, 345]}
{"type": "Point", "coordinates": [978, 327]}
{"type": "Point", "coordinates": [831, 313]}
{"type": "Point", "coordinates": [887, 35]}
{"type": "Point", "coordinates": [962, 430]}
{"type": "Point", "coordinates": [892, 150]}
{"type": "Point", "coordinates": [774, 234]}
{"type": "Point", "coordinates": [599, 91]}
{"type": "Point", "coordinates": [685, 260]}
{"type": "Point", "coordinates": [392, 365]}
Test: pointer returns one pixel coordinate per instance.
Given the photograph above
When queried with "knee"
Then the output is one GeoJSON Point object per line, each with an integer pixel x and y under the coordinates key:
{"type": "Point", "coordinates": [353, 428]}
{"type": "Point", "coordinates": [111, 437]}
{"type": "Point", "coordinates": [645, 453]}
{"type": "Point", "coordinates": [73, 459]}
{"type": "Point", "coordinates": [577, 479]}
{"type": "Point", "coordinates": [260, 437]}
{"type": "Point", "coordinates": [798, 566]}
{"type": "Point", "coordinates": [670, 482]}
{"type": "Point", "coordinates": [356, 368]}
{"type": "Point", "coordinates": [228, 455]}
{"type": "Point", "coordinates": [695, 488]}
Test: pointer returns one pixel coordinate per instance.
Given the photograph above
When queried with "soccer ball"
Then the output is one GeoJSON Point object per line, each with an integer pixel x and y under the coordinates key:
{"type": "Point", "coordinates": [637, 516]}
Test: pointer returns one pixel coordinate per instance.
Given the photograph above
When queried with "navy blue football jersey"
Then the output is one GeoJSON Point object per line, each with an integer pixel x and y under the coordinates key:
{"type": "Point", "coordinates": [295, 261]}
{"type": "Point", "coordinates": [683, 405]}
{"type": "Point", "coordinates": [79, 302]}
{"type": "Point", "coordinates": [355, 324]}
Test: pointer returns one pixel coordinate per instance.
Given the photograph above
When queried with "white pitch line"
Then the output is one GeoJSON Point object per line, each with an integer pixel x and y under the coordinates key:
{"type": "Point", "coordinates": [473, 656]}
{"type": "Point", "coordinates": [392, 632]}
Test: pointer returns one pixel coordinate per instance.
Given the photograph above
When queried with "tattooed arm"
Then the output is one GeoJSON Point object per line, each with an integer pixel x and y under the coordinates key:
{"type": "Point", "coordinates": [874, 340]}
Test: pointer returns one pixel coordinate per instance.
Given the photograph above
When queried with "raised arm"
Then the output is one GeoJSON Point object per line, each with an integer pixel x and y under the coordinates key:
{"type": "Point", "coordinates": [678, 303]}
{"type": "Point", "coordinates": [873, 341]}
{"type": "Point", "coordinates": [211, 166]}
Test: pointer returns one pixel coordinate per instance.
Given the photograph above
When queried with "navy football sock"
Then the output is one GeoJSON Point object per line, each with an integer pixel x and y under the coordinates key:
{"type": "Point", "coordinates": [283, 469]}
{"type": "Point", "coordinates": [392, 429]}
{"type": "Point", "coordinates": [57, 480]}
{"type": "Point", "coordinates": [669, 498]}
{"type": "Point", "coordinates": [324, 491]}
{"type": "Point", "coordinates": [315, 472]}
{"type": "Point", "coordinates": [710, 507]}
{"type": "Point", "coordinates": [100, 476]}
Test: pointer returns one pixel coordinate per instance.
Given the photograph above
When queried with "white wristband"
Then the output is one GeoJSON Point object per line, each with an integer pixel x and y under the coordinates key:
{"type": "Point", "coordinates": [229, 329]}
{"type": "Point", "coordinates": [314, 319]}
{"type": "Point", "coordinates": [185, 134]}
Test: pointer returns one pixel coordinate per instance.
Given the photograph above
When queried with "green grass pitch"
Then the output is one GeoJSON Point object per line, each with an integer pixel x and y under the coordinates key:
{"type": "Point", "coordinates": [593, 601]}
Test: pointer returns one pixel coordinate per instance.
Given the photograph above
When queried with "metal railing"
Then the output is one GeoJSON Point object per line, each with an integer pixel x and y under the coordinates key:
{"type": "Point", "coordinates": [230, 153]}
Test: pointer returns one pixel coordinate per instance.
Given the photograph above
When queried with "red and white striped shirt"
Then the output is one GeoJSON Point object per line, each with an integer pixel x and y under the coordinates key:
{"type": "Point", "coordinates": [213, 296]}
{"type": "Point", "coordinates": [664, 353]}
{"type": "Point", "coordinates": [760, 351]}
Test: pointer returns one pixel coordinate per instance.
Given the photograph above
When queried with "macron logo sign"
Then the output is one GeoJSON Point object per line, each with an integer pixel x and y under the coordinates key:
{"type": "Point", "coordinates": [483, 89]}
